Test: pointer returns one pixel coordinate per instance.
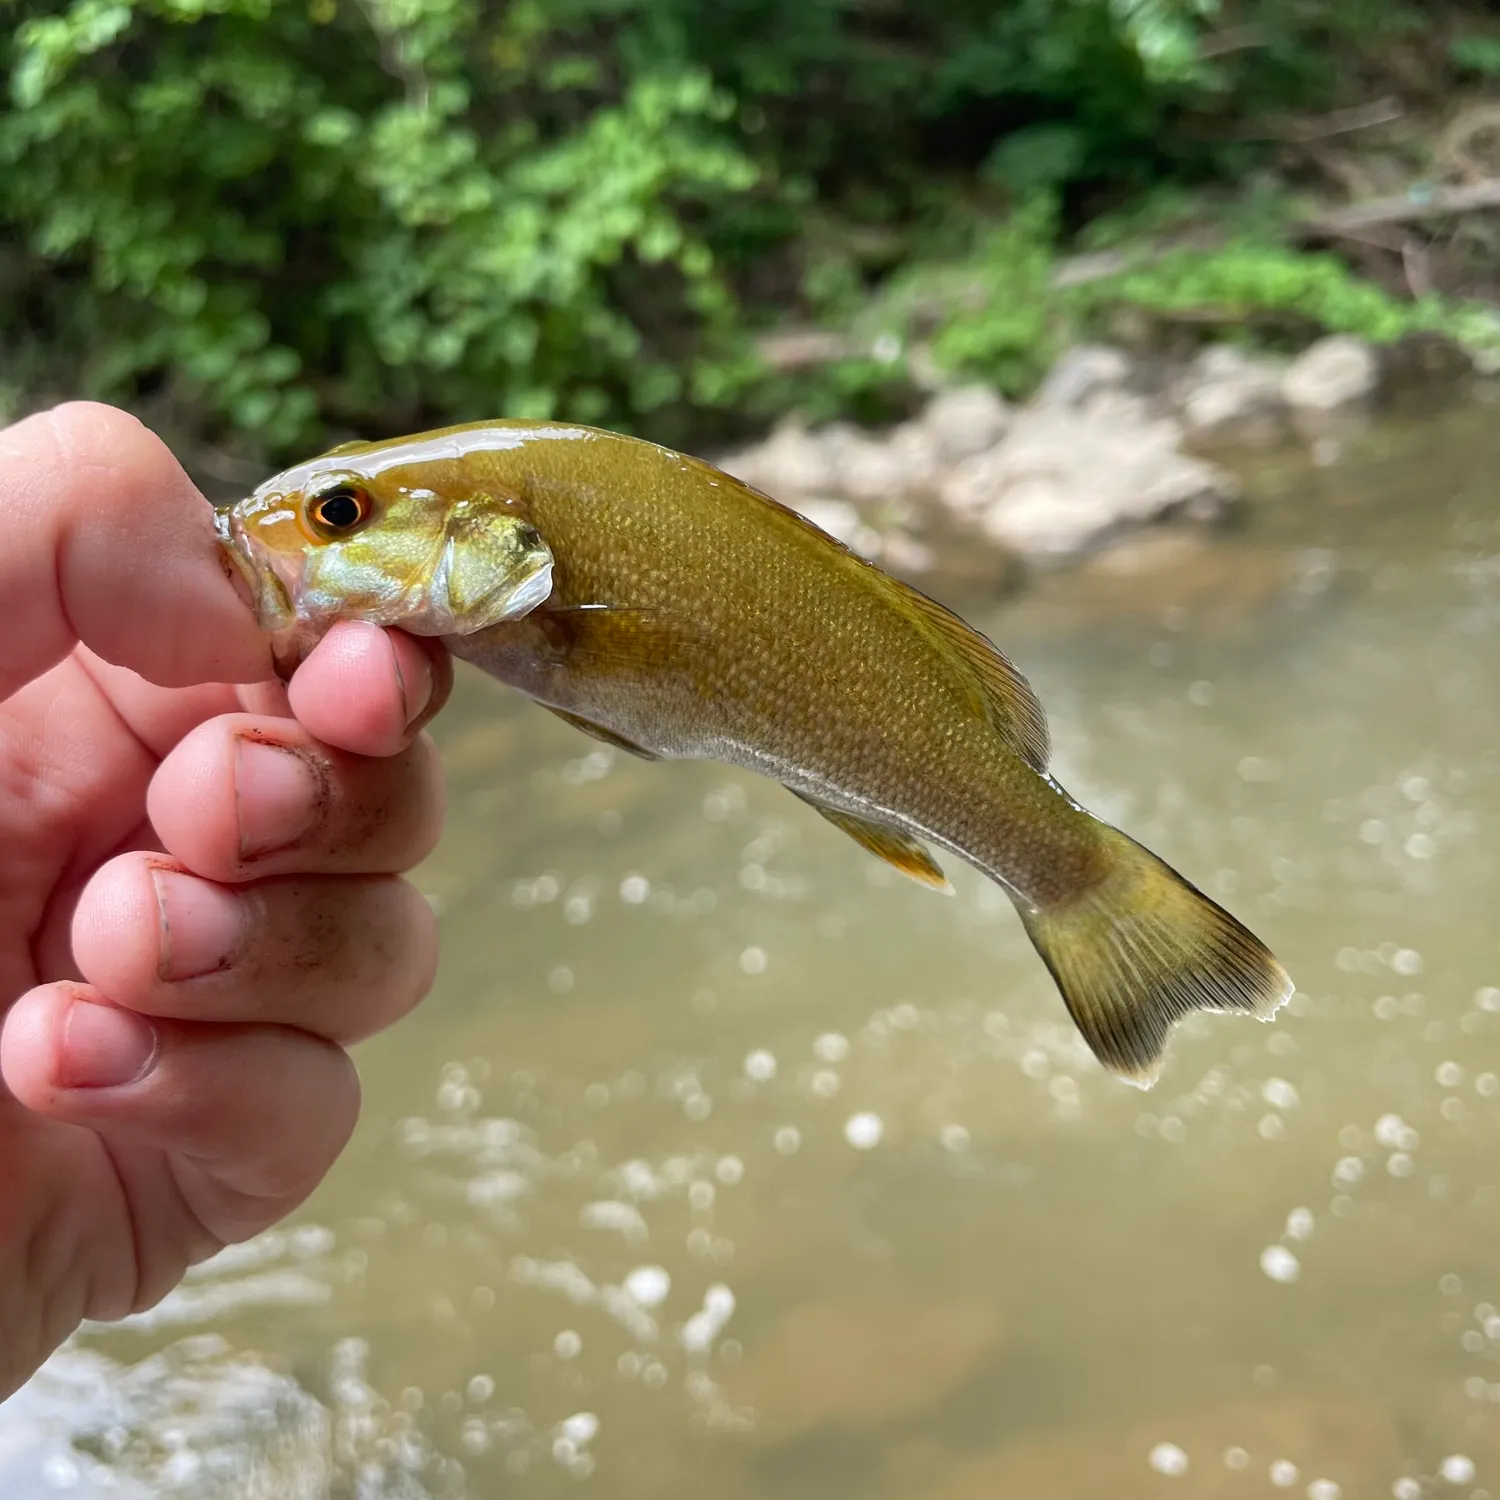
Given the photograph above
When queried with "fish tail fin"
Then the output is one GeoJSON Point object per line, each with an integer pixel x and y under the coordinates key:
{"type": "Point", "coordinates": [1139, 949]}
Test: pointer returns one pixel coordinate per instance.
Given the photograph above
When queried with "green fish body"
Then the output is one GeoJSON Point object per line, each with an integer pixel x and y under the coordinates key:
{"type": "Point", "coordinates": [669, 609]}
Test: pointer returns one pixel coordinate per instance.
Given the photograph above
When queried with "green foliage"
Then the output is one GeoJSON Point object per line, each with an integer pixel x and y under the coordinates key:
{"type": "Point", "coordinates": [283, 217]}
{"type": "Point", "coordinates": [1007, 311]}
{"type": "Point", "coordinates": [1475, 53]}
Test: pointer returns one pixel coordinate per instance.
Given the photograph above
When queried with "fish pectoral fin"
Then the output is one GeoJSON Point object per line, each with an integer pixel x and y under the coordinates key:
{"type": "Point", "coordinates": [599, 732]}
{"type": "Point", "coordinates": [620, 640]}
{"type": "Point", "coordinates": [1012, 706]}
{"type": "Point", "coordinates": [887, 843]}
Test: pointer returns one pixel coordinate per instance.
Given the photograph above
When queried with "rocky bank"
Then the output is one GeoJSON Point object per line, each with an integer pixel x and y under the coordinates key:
{"type": "Point", "coordinates": [975, 489]}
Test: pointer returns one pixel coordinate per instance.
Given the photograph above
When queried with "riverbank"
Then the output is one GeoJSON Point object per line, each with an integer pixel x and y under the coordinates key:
{"type": "Point", "coordinates": [976, 492]}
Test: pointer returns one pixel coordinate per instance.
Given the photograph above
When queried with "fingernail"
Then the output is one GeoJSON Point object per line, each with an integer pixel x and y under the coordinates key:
{"type": "Point", "coordinates": [201, 925]}
{"type": "Point", "coordinates": [276, 796]}
{"type": "Point", "coordinates": [414, 679]}
{"type": "Point", "coordinates": [103, 1047]}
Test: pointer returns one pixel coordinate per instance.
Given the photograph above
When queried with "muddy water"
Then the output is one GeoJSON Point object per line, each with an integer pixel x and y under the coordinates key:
{"type": "Point", "coordinates": [723, 1164]}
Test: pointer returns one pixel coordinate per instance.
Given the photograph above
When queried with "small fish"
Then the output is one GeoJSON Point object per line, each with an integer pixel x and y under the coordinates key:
{"type": "Point", "coordinates": [666, 608]}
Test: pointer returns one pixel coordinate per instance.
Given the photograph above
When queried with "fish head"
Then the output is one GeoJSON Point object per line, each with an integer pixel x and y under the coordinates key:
{"type": "Point", "coordinates": [348, 537]}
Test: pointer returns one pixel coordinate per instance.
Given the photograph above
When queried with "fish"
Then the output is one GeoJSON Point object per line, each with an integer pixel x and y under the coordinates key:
{"type": "Point", "coordinates": [670, 610]}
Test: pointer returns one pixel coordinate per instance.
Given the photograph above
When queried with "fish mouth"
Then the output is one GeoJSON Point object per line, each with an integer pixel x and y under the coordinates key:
{"type": "Point", "coordinates": [237, 566]}
{"type": "Point", "coordinates": [260, 589]}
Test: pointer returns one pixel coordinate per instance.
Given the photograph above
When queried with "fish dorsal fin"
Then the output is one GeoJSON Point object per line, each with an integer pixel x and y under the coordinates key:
{"type": "Point", "coordinates": [1009, 701]}
{"type": "Point", "coordinates": [599, 732]}
{"type": "Point", "coordinates": [887, 843]}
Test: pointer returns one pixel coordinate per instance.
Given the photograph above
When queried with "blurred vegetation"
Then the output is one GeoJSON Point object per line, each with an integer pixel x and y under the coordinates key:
{"type": "Point", "coordinates": [284, 220]}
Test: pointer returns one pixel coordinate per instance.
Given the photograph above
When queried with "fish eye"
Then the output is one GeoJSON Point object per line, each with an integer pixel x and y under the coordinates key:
{"type": "Point", "coordinates": [529, 537]}
{"type": "Point", "coordinates": [339, 510]}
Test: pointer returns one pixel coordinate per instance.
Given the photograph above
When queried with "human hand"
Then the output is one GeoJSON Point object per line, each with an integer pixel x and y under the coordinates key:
{"type": "Point", "coordinates": [199, 907]}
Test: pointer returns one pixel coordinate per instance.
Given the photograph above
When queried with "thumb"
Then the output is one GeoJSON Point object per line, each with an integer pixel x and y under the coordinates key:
{"type": "Point", "coordinates": [108, 542]}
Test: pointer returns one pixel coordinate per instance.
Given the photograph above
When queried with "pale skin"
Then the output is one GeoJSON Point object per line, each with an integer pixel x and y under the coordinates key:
{"type": "Point", "coordinates": [200, 896]}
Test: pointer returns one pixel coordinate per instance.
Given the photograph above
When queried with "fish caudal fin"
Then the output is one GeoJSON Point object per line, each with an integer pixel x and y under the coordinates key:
{"type": "Point", "coordinates": [1140, 949]}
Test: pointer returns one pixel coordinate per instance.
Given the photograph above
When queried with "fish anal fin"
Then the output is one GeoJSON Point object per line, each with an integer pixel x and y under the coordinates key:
{"type": "Point", "coordinates": [887, 843]}
{"type": "Point", "coordinates": [599, 732]}
{"type": "Point", "coordinates": [1012, 706]}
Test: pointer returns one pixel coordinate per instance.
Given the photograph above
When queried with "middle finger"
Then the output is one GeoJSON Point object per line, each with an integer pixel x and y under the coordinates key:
{"type": "Point", "coordinates": [242, 797]}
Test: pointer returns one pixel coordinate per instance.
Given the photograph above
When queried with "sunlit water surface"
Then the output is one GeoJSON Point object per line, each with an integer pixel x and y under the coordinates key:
{"type": "Point", "coordinates": [723, 1163]}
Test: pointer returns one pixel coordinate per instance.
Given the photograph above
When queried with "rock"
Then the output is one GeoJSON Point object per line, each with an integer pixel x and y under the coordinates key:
{"type": "Point", "coordinates": [965, 420]}
{"type": "Point", "coordinates": [792, 461]}
{"type": "Point", "coordinates": [1332, 375]}
{"type": "Point", "coordinates": [197, 1419]}
{"type": "Point", "coordinates": [1060, 483]}
{"type": "Point", "coordinates": [1082, 374]}
{"type": "Point", "coordinates": [837, 517]}
{"type": "Point", "coordinates": [870, 470]}
{"type": "Point", "coordinates": [921, 460]}
{"type": "Point", "coordinates": [1227, 396]}
{"type": "Point", "coordinates": [863, 1359]}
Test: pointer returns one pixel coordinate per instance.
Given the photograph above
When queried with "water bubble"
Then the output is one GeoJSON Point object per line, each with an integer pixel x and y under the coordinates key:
{"type": "Point", "coordinates": [560, 980]}
{"type": "Point", "coordinates": [760, 1065]}
{"type": "Point", "coordinates": [825, 1083]}
{"type": "Point", "coordinates": [1400, 1165]}
{"type": "Point", "coordinates": [1388, 1130]}
{"type": "Point", "coordinates": [1283, 1474]}
{"type": "Point", "coordinates": [701, 1195]}
{"type": "Point", "coordinates": [1420, 846]}
{"type": "Point", "coordinates": [1279, 1094]}
{"type": "Point", "coordinates": [1270, 1127]}
{"type": "Point", "coordinates": [634, 889]}
{"type": "Point", "coordinates": [1236, 1458]}
{"type": "Point", "coordinates": [648, 1285]}
{"type": "Point", "coordinates": [1299, 1224]}
{"type": "Point", "coordinates": [1200, 694]}
{"type": "Point", "coordinates": [581, 1427]}
{"type": "Point", "coordinates": [625, 1218]}
{"type": "Point", "coordinates": [1348, 1170]}
{"type": "Point", "coordinates": [1372, 831]}
{"type": "Point", "coordinates": [787, 1140]}
{"type": "Point", "coordinates": [1487, 998]}
{"type": "Point", "coordinates": [1487, 1084]}
{"type": "Point", "coordinates": [1168, 1458]}
{"type": "Point", "coordinates": [705, 1326]}
{"type": "Point", "coordinates": [1407, 961]}
{"type": "Point", "coordinates": [753, 961]}
{"type": "Point", "coordinates": [1323, 1489]}
{"type": "Point", "coordinates": [1035, 1063]}
{"type": "Point", "coordinates": [954, 1138]}
{"type": "Point", "coordinates": [480, 1389]}
{"type": "Point", "coordinates": [1406, 1489]}
{"type": "Point", "coordinates": [1449, 1074]}
{"type": "Point", "coordinates": [729, 1170]}
{"type": "Point", "coordinates": [831, 1047]}
{"type": "Point", "coordinates": [1450, 1285]}
{"type": "Point", "coordinates": [1457, 1468]}
{"type": "Point", "coordinates": [863, 1131]}
{"type": "Point", "coordinates": [1280, 1264]}
{"type": "Point", "coordinates": [567, 1345]}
